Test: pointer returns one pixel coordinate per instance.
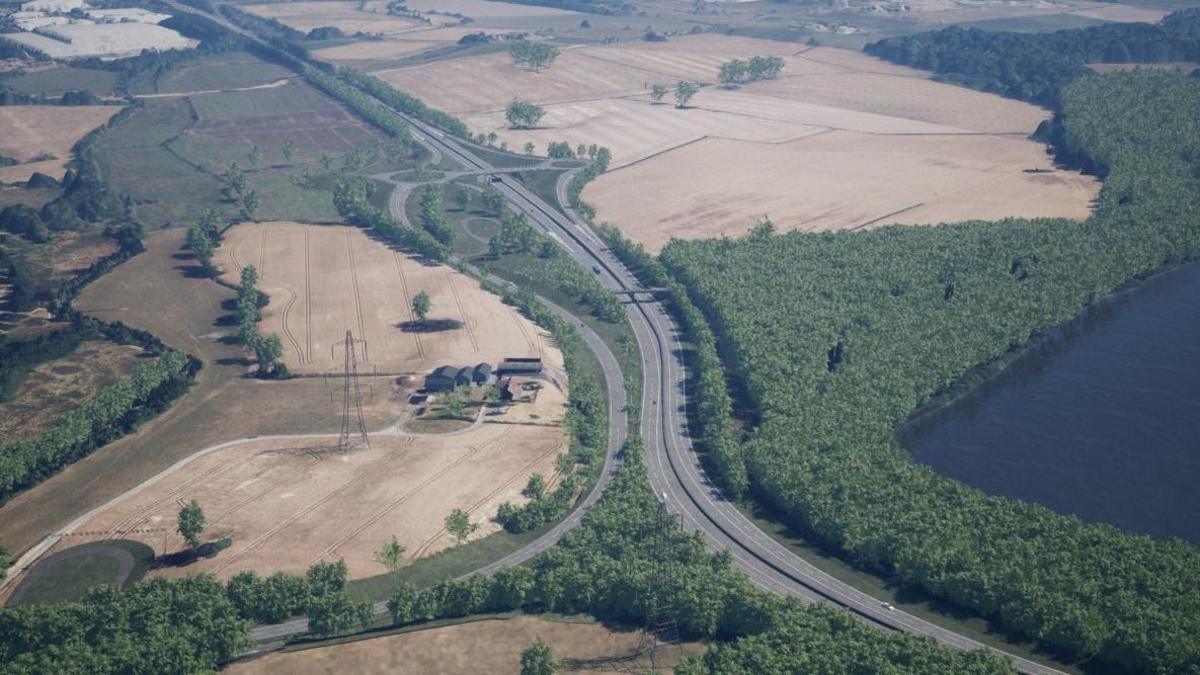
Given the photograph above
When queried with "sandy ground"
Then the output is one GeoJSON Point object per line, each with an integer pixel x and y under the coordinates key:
{"type": "Point", "coordinates": [305, 16]}
{"type": "Point", "coordinates": [488, 647]}
{"type": "Point", "coordinates": [286, 506]}
{"type": "Point", "coordinates": [33, 130]}
{"type": "Point", "coordinates": [326, 280]}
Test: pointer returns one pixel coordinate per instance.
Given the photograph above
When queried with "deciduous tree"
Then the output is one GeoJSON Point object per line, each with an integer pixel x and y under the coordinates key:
{"type": "Point", "coordinates": [191, 523]}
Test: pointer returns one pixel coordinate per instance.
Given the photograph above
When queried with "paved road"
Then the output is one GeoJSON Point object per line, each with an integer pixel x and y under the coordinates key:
{"type": "Point", "coordinates": [675, 469]}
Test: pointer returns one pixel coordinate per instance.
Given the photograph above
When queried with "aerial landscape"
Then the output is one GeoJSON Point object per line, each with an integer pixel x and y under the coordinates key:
{"type": "Point", "coordinates": [553, 336]}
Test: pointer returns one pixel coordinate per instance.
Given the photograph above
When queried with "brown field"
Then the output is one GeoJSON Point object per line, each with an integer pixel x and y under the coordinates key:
{"type": "Point", "coordinates": [154, 291]}
{"type": "Point", "coordinates": [57, 386]}
{"type": "Point", "coordinates": [305, 16]}
{"type": "Point", "coordinates": [841, 140]}
{"type": "Point", "coordinates": [35, 130]}
{"type": "Point", "coordinates": [286, 507]}
{"type": "Point", "coordinates": [324, 281]}
{"type": "Point", "coordinates": [488, 647]}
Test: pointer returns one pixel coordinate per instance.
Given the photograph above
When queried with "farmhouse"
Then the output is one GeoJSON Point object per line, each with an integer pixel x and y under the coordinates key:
{"type": "Point", "coordinates": [445, 378]}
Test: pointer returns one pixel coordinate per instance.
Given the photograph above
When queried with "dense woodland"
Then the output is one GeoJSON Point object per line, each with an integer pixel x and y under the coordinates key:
{"type": "Point", "coordinates": [839, 337]}
{"type": "Point", "coordinates": [1037, 66]}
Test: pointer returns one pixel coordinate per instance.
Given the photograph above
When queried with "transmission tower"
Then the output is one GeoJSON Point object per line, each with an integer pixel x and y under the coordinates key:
{"type": "Point", "coordinates": [660, 632]}
{"type": "Point", "coordinates": [352, 394]}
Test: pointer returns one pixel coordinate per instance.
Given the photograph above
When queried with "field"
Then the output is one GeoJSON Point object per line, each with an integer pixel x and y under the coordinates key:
{"type": "Point", "coordinates": [155, 291]}
{"type": "Point", "coordinates": [219, 71]}
{"type": "Point", "coordinates": [486, 647]}
{"type": "Point", "coordinates": [286, 506]}
{"type": "Point", "coordinates": [55, 387]}
{"type": "Point", "coordinates": [41, 131]}
{"type": "Point", "coordinates": [840, 141]}
{"type": "Point", "coordinates": [370, 18]}
{"type": "Point", "coordinates": [181, 146]}
{"type": "Point", "coordinates": [106, 40]}
{"type": "Point", "coordinates": [57, 81]}
{"type": "Point", "coordinates": [324, 281]}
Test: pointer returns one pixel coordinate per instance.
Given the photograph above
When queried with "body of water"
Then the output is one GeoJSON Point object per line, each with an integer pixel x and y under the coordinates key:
{"type": "Point", "coordinates": [1101, 421]}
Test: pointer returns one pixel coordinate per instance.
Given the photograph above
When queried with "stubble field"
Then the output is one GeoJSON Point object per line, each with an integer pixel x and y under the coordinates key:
{"type": "Point", "coordinates": [324, 281]}
{"type": "Point", "coordinates": [286, 505]}
{"type": "Point", "coordinates": [839, 141]}
{"type": "Point", "coordinates": [487, 647]}
{"type": "Point", "coordinates": [32, 131]}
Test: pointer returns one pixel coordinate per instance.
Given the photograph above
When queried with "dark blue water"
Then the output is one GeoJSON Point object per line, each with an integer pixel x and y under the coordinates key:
{"type": "Point", "coordinates": [1102, 421]}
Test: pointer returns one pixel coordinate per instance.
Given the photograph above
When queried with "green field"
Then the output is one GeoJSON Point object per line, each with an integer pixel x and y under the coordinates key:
{"type": "Point", "coordinates": [59, 80]}
{"type": "Point", "coordinates": [71, 579]}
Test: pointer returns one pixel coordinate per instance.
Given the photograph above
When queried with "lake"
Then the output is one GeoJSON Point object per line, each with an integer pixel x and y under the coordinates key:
{"type": "Point", "coordinates": [1101, 421]}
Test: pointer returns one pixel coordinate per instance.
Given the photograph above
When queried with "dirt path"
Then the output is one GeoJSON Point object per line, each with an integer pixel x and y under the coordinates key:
{"type": "Point", "coordinates": [180, 94]}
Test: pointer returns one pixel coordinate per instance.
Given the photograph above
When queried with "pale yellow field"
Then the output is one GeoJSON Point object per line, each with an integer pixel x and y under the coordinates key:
{"type": "Point", "coordinates": [399, 45]}
{"type": "Point", "coordinates": [28, 131]}
{"type": "Point", "coordinates": [490, 647]}
{"type": "Point", "coordinates": [305, 16]}
{"type": "Point", "coordinates": [285, 507]}
{"type": "Point", "coordinates": [840, 140]}
{"type": "Point", "coordinates": [325, 280]}
{"type": "Point", "coordinates": [485, 9]}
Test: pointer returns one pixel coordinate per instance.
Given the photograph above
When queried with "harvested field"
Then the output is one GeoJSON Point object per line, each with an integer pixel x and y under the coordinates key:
{"type": "Point", "coordinates": [401, 45]}
{"type": "Point", "coordinates": [286, 506]}
{"type": "Point", "coordinates": [486, 9]}
{"type": "Point", "coordinates": [105, 40]}
{"type": "Point", "coordinates": [840, 140]}
{"type": "Point", "coordinates": [324, 281]}
{"type": "Point", "coordinates": [57, 386]}
{"type": "Point", "coordinates": [33, 131]}
{"type": "Point", "coordinates": [487, 647]}
{"type": "Point", "coordinates": [346, 16]}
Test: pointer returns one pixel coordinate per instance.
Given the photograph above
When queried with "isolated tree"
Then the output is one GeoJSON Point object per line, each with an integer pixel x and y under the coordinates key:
{"type": "Point", "coordinates": [459, 525]}
{"type": "Point", "coordinates": [684, 91]}
{"type": "Point", "coordinates": [493, 200]}
{"type": "Point", "coordinates": [289, 150]}
{"type": "Point", "coordinates": [657, 92]}
{"type": "Point", "coordinates": [537, 659]}
{"type": "Point", "coordinates": [421, 304]}
{"type": "Point", "coordinates": [250, 202]}
{"type": "Point", "coordinates": [732, 72]}
{"type": "Point", "coordinates": [255, 155]}
{"type": "Point", "coordinates": [235, 178]}
{"type": "Point", "coordinates": [390, 555]}
{"type": "Point", "coordinates": [529, 147]}
{"type": "Point", "coordinates": [536, 487]}
{"type": "Point", "coordinates": [191, 523]}
{"type": "Point", "coordinates": [523, 114]}
{"type": "Point", "coordinates": [462, 197]}
{"type": "Point", "coordinates": [764, 67]}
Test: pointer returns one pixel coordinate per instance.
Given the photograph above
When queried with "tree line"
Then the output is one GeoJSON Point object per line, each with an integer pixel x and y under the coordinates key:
{"type": "Point", "coordinates": [352, 199]}
{"type": "Point", "coordinates": [532, 54]}
{"type": "Point", "coordinates": [741, 71]}
{"type": "Point", "coordinates": [1036, 67]}
{"type": "Point", "coordinates": [834, 359]}
{"type": "Point", "coordinates": [114, 411]}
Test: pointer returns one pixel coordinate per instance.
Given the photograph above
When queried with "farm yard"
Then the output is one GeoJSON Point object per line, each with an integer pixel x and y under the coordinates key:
{"type": "Point", "coordinates": [486, 647]}
{"type": "Point", "coordinates": [286, 506]}
{"type": "Point", "coordinates": [41, 136]}
{"type": "Point", "coordinates": [324, 280]}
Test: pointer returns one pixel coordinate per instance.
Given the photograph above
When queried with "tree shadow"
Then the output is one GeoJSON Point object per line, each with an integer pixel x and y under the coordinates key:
{"type": "Point", "coordinates": [208, 549]}
{"type": "Point", "coordinates": [194, 271]}
{"type": "Point", "coordinates": [429, 325]}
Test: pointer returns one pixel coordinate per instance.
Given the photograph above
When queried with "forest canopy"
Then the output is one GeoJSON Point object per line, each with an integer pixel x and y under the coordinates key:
{"type": "Point", "coordinates": [839, 337]}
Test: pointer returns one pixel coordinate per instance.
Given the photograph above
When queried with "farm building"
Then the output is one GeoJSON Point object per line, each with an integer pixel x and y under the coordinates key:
{"type": "Point", "coordinates": [446, 378]}
{"type": "Point", "coordinates": [520, 366]}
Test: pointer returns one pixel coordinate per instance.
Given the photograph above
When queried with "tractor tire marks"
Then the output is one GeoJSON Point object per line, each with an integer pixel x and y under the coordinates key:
{"type": "Point", "coordinates": [367, 473]}
{"type": "Point", "coordinates": [461, 311]}
{"type": "Point", "coordinates": [307, 298]}
{"type": "Point", "coordinates": [284, 315]}
{"type": "Point", "coordinates": [389, 507]}
{"type": "Point", "coordinates": [362, 330]}
{"type": "Point", "coordinates": [407, 301]}
{"type": "Point", "coordinates": [424, 548]}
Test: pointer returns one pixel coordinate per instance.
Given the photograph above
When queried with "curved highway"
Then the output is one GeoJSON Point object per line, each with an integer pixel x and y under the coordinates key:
{"type": "Point", "coordinates": [674, 468]}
